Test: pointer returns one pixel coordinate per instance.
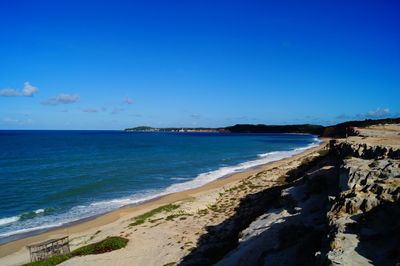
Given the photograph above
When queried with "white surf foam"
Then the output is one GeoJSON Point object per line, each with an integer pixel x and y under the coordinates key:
{"type": "Point", "coordinates": [8, 220]}
{"type": "Point", "coordinates": [264, 158]}
{"type": "Point", "coordinates": [13, 219]}
{"type": "Point", "coordinates": [39, 211]}
{"type": "Point", "coordinates": [74, 214]}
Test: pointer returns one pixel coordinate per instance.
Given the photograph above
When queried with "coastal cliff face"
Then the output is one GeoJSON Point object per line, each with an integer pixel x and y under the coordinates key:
{"type": "Point", "coordinates": [364, 216]}
{"type": "Point", "coordinates": [295, 230]}
{"type": "Point", "coordinates": [342, 209]}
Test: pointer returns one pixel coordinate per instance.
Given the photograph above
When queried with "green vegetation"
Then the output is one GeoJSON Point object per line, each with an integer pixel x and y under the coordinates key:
{"type": "Point", "coordinates": [107, 245]}
{"type": "Point", "coordinates": [142, 218]}
{"type": "Point", "coordinates": [176, 215]}
{"type": "Point", "coordinates": [142, 128]}
{"type": "Point", "coordinates": [202, 212]}
{"type": "Point", "coordinates": [219, 207]}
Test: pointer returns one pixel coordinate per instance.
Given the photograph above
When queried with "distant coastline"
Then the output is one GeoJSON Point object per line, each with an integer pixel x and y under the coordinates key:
{"type": "Point", "coordinates": [339, 130]}
{"type": "Point", "coordinates": [155, 129]}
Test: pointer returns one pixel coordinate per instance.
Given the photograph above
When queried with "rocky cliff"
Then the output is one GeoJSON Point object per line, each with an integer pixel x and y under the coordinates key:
{"type": "Point", "coordinates": [364, 217]}
{"type": "Point", "coordinates": [343, 210]}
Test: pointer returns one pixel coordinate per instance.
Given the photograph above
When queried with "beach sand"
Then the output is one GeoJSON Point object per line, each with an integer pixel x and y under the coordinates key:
{"type": "Point", "coordinates": [165, 237]}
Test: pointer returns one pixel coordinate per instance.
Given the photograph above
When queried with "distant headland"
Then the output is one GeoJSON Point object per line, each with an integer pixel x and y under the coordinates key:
{"type": "Point", "coordinates": [338, 130]}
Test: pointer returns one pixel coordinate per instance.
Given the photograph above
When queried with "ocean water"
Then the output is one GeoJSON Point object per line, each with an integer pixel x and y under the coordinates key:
{"type": "Point", "coordinates": [49, 178]}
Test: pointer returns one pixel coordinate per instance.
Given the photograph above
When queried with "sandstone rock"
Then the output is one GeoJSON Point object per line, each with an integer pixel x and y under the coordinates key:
{"type": "Point", "coordinates": [372, 175]}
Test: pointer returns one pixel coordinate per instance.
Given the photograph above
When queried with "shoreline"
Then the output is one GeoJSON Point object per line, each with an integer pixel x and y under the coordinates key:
{"type": "Point", "coordinates": [173, 188]}
{"type": "Point", "coordinates": [86, 225]}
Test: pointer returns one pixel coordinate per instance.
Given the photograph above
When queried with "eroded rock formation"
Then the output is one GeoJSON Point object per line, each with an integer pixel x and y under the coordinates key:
{"type": "Point", "coordinates": [341, 209]}
{"type": "Point", "coordinates": [364, 218]}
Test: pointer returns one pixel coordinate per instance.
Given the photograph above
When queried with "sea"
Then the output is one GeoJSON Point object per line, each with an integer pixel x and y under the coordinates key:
{"type": "Point", "coordinates": [52, 178]}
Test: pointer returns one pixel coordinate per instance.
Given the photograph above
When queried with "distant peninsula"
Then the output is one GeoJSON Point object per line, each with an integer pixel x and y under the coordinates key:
{"type": "Point", "coordinates": [338, 130]}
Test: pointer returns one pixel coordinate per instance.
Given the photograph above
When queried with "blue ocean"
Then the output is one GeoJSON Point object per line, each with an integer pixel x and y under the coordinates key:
{"type": "Point", "coordinates": [49, 178]}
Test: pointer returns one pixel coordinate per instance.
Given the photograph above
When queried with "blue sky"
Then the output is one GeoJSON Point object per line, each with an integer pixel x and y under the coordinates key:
{"type": "Point", "coordinates": [114, 64]}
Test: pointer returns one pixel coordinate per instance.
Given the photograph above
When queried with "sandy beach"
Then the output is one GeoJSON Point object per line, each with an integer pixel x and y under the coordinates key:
{"type": "Point", "coordinates": [166, 237]}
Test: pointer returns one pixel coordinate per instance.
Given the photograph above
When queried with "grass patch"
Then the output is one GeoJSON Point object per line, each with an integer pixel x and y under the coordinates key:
{"type": "Point", "coordinates": [142, 218]}
{"type": "Point", "coordinates": [231, 189]}
{"type": "Point", "coordinates": [202, 212]}
{"type": "Point", "coordinates": [107, 245]}
{"type": "Point", "coordinates": [176, 215]}
{"type": "Point", "coordinates": [213, 207]}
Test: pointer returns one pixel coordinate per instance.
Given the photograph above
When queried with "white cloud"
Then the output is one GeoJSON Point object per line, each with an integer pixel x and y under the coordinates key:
{"type": "Point", "coordinates": [9, 93]}
{"type": "Point", "coordinates": [128, 100]}
{"type": "Point", "coordinates": [62, 99]}
{"type": "Point", "coordinates": [27, 91]}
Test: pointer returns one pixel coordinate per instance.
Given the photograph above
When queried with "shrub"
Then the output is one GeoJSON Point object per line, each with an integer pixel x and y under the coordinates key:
{"type": "Point", "coordinates": [106, 245]}
{"type": "Point", "coordinates": [142, 218]}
